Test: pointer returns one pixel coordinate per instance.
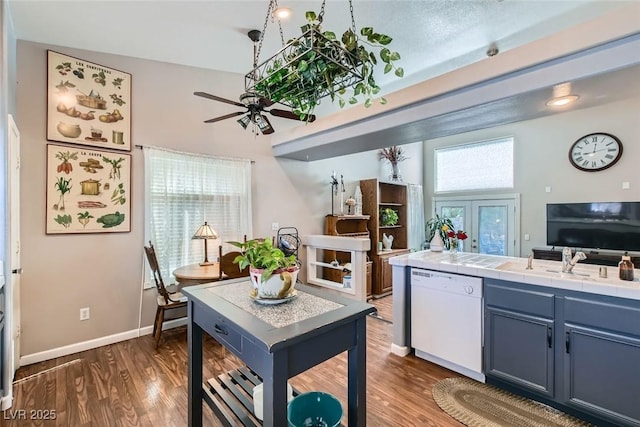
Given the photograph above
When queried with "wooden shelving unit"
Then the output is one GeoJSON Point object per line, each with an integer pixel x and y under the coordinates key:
{"type": "Point", "coordinates": [377, 195]}
{"type": "Point", "coordinates": [348, 226]}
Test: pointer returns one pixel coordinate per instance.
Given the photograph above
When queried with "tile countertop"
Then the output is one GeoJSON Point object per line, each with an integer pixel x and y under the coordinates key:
{"type": "Point", "coordinates": [585, 277]}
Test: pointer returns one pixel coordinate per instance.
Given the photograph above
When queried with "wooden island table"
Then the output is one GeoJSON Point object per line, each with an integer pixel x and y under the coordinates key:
{"type": "Point", "coordinates": [276, 342]}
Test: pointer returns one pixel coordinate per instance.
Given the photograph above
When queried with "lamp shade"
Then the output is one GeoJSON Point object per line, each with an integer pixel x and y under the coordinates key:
{"type": "Point", "coordinates": [205, 232]}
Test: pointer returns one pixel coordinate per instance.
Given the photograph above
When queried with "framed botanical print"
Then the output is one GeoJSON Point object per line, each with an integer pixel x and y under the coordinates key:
{"type": "Point", "coordinates": [88, 191]}
{"type": "Point", "coordinates": [87, 103]}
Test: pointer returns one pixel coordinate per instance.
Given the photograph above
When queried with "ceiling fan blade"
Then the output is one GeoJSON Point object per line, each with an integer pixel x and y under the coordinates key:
{"type": "Point", "coordinates": [217, 98]}
{"type": "Point", "coordinates": [265, 102]}
{"type": "Point", "coordinates": [263, 124]}
{"type": "Point", "coordinates": [226, 116]}
{"type": "Point", "coordinates": [290, 115]}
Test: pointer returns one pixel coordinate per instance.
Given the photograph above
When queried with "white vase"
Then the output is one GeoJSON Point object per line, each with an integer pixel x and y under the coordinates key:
{"type": "Point", "coordinates": [279, 285]}
{"type": "Point", "coordinates": [436, 244]}
{"type": "Point", "coordinates": [358, 197]}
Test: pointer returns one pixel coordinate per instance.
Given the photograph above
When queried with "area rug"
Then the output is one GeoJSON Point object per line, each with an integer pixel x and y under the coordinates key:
{"type": "Point", "coordinates": [475, 404]}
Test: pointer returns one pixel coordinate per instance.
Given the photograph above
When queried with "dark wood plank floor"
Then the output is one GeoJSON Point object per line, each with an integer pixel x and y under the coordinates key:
{"type": "Point", "coordinates": [132, 384]}
{"type": "Point", "coordinates": [384, 306]}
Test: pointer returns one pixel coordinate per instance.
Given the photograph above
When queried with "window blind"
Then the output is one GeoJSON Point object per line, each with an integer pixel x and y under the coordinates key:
{"type": "Point", "coordinates": [184, 190]}
{"type": "Point", "coordinates": [476, 166]}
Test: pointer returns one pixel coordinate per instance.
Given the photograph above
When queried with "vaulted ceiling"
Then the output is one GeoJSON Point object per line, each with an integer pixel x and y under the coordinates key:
{"type": "Point", "coordinates": [434, 37]}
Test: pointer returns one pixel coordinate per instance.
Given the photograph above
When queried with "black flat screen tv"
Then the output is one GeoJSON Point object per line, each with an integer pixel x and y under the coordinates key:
{"type": "Point", "coordinates": [609, 225]}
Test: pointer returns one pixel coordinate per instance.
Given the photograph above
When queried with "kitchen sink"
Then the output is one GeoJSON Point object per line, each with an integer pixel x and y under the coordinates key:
{"type": "Point", "coordinates": [544, 269]}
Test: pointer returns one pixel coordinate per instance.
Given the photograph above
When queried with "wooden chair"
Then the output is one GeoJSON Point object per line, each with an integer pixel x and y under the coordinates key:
{"type": "Point", "coordinates": [166, 300]}
{"type": "Point", "coordinates": [229, 270]}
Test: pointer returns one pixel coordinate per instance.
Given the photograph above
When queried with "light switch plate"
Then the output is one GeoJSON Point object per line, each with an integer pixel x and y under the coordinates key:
{"type": "Point", "coordinates": [626, 185]}
{"type": "Point", "coordinates": [547, 189]}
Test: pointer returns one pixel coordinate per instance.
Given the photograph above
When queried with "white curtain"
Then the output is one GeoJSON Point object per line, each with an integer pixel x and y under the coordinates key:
{"type": "Point", "coordinates": [415, 201]}
{"type": "Point", "coordinates": [182, 191]}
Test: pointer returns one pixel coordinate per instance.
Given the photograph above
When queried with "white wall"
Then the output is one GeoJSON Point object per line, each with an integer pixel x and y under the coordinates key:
{"type": "Point", "coordinates": [63, 273]}
{"type": "Point", "coordinates": [541, 160]}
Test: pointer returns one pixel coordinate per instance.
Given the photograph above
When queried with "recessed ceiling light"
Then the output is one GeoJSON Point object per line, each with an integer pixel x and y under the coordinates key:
{"type": "Point", "coordinates": [282, 13]}
{"type": "Point", "coordinates": [562, 101]}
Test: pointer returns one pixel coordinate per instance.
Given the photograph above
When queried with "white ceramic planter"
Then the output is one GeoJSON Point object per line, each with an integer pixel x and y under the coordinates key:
{"type": "Point", "coordinates": [279, 285]}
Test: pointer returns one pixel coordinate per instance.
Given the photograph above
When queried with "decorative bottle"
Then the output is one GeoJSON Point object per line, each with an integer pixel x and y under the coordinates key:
{"type": "Point", "coordinates": [358, 197]}
{"type": "Point", "coordinates": [625, 268]}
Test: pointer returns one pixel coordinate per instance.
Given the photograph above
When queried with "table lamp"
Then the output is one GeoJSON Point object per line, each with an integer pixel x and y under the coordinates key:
{"type": "Point", "coordinates": [205, 232]}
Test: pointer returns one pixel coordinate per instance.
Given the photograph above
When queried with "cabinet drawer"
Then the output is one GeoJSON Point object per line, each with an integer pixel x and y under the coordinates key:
{"type": "Point", "coordinates": [508, 295]}
{"type": "Point", "coordinates": [219, 328]}
{"type": "Point", "coordinates": [617, 316]}
{"type": "Point", "coordinates": [227, 335]}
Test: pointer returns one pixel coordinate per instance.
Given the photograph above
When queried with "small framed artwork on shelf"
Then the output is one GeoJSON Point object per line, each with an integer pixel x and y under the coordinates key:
{"type": "Point", "coordinates": [87, 103]}
{"type": "Point", "coordinates": [88, 191]}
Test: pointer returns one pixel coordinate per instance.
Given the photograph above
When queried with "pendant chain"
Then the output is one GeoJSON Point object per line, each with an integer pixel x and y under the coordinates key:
{"type": "Point", "coordinates": [273, 5]}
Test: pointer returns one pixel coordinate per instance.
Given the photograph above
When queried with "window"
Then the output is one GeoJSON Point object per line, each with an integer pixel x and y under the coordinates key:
{"type": "Point", "coordinates": [478, 166]}
{"type": "Point", "coordinates": [182, 191]}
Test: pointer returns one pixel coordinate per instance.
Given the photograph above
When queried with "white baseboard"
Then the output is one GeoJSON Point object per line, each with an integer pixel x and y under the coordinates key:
{"type": "Point", "coordinates": [399, 350]}
{"type": "Point", "coordinates": [29, 359]}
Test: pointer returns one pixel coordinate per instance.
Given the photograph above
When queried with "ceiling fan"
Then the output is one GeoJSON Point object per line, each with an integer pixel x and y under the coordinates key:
{"type": "Point", "coordinates": [254, 104]}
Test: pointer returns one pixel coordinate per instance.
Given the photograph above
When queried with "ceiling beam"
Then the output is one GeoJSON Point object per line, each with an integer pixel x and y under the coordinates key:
{"type": "Point", "coordinates": [516, 96]}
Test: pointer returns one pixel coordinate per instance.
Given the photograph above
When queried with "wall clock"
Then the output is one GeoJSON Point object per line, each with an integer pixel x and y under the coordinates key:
{"type": "Point", "coordinates": [595, 152]}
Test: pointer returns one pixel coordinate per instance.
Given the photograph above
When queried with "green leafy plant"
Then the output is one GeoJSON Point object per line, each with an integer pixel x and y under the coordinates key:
{"type": "Point", "coordinates": [63, 186]}
{"type": "Point", "coordinates": [63, 220]}
{"type": "Point", "coordinates": [437, 223]}
{"type": "Point", "coordinates": [319, 64]}
{"type": "Point", "coordinates": [388, 216]}
{"type": "Point", "coordinates": [261, 254]}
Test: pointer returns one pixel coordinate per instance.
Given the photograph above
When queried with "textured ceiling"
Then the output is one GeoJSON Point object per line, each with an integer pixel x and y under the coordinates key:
{"type": "Point", "coordinates": [433, 36]}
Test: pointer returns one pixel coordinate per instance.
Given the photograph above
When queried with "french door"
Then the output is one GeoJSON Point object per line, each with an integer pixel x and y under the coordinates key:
{"type": "Point", "coordinates": [492, 224]}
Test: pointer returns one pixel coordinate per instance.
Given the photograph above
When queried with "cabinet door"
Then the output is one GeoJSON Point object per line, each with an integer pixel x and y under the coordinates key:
{"type": "Point", "coordinates": [386, 276]}
{"type": "Point", "coordinates": [519, 350]}
{"type": "Point", "coordinates": [602, 374]}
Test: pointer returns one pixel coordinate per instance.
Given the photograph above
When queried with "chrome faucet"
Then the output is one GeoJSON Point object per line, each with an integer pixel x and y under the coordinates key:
{"type": "Point", "coordinates": [567, 262]}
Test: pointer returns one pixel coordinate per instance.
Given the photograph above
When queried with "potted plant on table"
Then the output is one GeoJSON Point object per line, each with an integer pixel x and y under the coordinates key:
{"type": "Point", "coordinates": [272, 274]}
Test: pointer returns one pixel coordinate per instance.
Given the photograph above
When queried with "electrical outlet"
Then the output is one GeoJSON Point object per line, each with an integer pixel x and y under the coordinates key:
{"type": "Point", "coordinates": [85, 313]}
{"type": "Point", "coordinates": [275, 226]}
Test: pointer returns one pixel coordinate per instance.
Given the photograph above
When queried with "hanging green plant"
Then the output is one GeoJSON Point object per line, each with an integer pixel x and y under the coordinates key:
{"type": "Point", "coordinates": [318, 64]}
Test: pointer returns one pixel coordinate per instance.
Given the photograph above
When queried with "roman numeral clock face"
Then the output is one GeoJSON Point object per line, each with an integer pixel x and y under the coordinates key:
{"type": "Point", "coordinates": [595, 152]}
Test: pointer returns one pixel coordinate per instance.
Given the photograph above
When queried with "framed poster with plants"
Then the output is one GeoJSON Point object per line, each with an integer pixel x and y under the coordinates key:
{"type": "Point", "coordinates": [87, 103]}
{"type": "Point", "coordinates": [88, 191]}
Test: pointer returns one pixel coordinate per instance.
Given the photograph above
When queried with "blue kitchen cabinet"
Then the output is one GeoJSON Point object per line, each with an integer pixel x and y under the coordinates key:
{"type": "Point", "coordinates": [602, 358]}
{"type": "Point", "coordinates": [577, 351]}
{"type": "Point", "coordinates": [519, 337]}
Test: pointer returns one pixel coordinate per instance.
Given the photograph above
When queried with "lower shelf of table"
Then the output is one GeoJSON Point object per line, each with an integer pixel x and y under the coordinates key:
{"type": "Point", "coordinates": [230, 397]}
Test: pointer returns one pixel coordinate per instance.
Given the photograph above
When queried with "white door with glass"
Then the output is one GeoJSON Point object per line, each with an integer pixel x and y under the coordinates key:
{"type": "Point", "coordinates": [491, 224]}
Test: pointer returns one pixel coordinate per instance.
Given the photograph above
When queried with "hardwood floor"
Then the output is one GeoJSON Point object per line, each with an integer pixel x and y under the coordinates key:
{"type": "Point", "coordinates": [132, 384]}
{"type": "Point", "coordinates": [384, 306]}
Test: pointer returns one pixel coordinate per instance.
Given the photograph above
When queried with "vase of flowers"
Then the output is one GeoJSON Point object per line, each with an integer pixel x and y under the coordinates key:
{"type": "Point", "coordinates": [393, 155]}
{"type": "Point", "coordinates": [455, 238]}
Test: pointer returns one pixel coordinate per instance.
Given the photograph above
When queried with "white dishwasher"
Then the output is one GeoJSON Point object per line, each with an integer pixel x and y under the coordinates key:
{"type": "Point", "coordinates": [446, 320]}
